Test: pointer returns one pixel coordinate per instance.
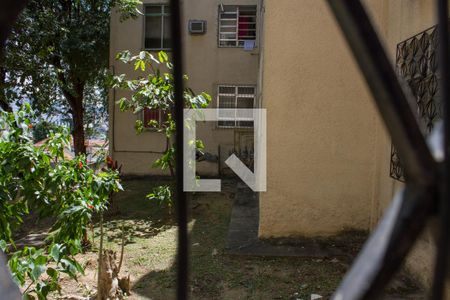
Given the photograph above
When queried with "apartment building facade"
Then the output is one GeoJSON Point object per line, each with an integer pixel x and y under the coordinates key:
{"type": "Point", "coordinates": [221, 50]}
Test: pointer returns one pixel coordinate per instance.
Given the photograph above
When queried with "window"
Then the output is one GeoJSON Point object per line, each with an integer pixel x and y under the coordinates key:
{"type": "Point", "coordinates": [157, 115]}
{"type": "Point", "coordinates": [416, 62]}
{"type": "Point", "coordinates": [157, 27]}
{"type": "Point", "coordinates": [232, 97]}
{"type": "Point", "coordinates": [237, 24]}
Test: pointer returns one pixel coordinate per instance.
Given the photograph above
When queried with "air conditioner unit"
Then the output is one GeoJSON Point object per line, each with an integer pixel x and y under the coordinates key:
{"type": "Point", "coordinates": [197, 26]}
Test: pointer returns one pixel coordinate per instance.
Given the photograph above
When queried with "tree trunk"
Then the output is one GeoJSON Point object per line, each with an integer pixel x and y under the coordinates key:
{"type": "Point", "coordinates": [78, 144]}
{"type": "Point", "coordinates": [76, 103]}
{"type": "Point", "coordinates": [111, 286]}
{"type": "Point", "coordinates": [78, 127]}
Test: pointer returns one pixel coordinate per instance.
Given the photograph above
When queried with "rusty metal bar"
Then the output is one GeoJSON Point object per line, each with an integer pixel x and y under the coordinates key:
{"type": "Point", "coordinates": [442, 257]}
{"type": "Point", "coordinates": [391, 96]}
{"type": "Point", "coordinates": [181, 199]}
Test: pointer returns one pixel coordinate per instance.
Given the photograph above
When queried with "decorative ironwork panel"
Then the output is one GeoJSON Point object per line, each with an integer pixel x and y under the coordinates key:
{"type": "Point", "coordinates": [416, 63]}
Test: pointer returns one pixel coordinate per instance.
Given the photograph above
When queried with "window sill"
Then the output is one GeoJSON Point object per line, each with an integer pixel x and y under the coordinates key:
{"type": "Point", "coordinates": [234, 127]}
{"type": "Point", "coordinates": [255, 50]}
{"type": "Point", "coordinates": [149, 129]}
{"type": "Point", "coordinates": [156, 50]}
{"type": "Point", "coordinates": [238, 47]}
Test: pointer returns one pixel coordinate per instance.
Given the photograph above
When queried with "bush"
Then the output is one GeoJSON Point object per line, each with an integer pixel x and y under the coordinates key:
{"type": "Point", "coordinates": [40, 180]}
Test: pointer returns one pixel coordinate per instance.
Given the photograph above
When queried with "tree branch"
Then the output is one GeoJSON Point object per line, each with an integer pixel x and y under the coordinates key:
{"type": "Point", "coordinates": [8, 15]}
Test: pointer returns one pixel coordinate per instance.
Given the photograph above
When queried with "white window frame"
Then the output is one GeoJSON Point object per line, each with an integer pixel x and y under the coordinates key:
{"type": "Point", "coordinates": [162, 14]}
{"type": "Point", "coordinates": [236, 96]}
{"type": "Point", "coordinates": [238, 43]}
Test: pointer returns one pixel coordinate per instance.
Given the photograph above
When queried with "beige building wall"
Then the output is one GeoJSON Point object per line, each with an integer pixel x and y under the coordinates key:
{"type": "Point", "coordinates": [322, 126]}
{"type": "Point", "coordinates": [207, 66]}
{"type": "Point", "coordinates": [328, 151]}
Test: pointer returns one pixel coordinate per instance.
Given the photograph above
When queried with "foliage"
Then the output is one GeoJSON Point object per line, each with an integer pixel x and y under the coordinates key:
{"type": "Point", "coordinates": [162, 195]}
{"type": "Point", "coordinates": [154, 89]}
{"type": "Point", "coordinates": [42, 130]}
{"type": "Point", "coordinates": [57, 58]}
{"type": "Point", "coordinates": [41, 181]}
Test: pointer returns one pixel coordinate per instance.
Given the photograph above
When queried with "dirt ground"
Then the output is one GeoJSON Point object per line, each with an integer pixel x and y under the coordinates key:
{"type": "Point", "coordinates": [151, 246]}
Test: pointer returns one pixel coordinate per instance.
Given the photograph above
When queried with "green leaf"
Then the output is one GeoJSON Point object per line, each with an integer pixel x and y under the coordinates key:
{"type": "Point", "coordinates": [37, 271]}
{"type": "Point", "coordinates": [52, 273]}
{"type": "Point", "coordinates": [199, 144]}
{"type": "Point", "coordinates": [139, 126]}
{"type": "Point", "coordinates": [40, 260]}
{"type": "Point", "coordinates": [3, 245]}
{"type": "Point", "coordinates": [27, 296]}
{"type": "Point", "coordinates": [55, 252]}
{"type": "Point", "coordinates": [163, 57]}
{"type": "Point", "coordinates": [124, 56]}
{"type": "Point", "coordinates": [137, 65]}
{"type": "Point", "coordinates": [69, 267]}
{"type": "Point", "coordinates": [123, 104]}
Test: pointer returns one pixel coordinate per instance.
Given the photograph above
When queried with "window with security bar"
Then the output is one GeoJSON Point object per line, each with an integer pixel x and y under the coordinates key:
{"type": "Point", "coordinates": [231, 98]}
{"type": "Point", "coordinates": [157, 27]}
{"type": "Point", "coordinates": [416, 63]}
{"type": "Point", "coordinates": [151, 117]}
{"type": "Point", "coordinates": [237, 24]}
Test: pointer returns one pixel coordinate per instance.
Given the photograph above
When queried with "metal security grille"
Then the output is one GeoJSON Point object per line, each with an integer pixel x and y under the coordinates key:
{"type": "Point", "coordinates": [236, 25]}
{"type": "Point", "coordinates": [416, 63]}
{"type": "Point", "coordinates": [150, 116]}
{"type": "Point", "coordinates": [235, 97]}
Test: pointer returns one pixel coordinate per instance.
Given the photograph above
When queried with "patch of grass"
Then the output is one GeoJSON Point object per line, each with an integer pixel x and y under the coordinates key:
{"type": "Point", "coordinates": [150, 253]}
{"type": "Point", "coordinates": [151, 248]}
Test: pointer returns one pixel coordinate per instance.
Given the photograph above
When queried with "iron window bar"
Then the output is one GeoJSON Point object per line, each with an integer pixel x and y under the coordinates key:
{"type": "Point", "coordinates": [441, 271]}
{"type": "Point", "coordinates": [229, 25]}
{"type": "Point", "coordinates": [12, 9]}
{"type": "Point", "coordinates": [237, 95]}
{"type": "Point", "coordinates": [426, 181]}
{"type": "Point", "coordinates": [180, 196]}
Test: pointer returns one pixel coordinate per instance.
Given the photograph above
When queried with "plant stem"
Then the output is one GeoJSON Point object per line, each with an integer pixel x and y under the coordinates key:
{"type": "Point", "coordinates": [99, 281]}
{"type": "Point", "coordinates": [123, 246]}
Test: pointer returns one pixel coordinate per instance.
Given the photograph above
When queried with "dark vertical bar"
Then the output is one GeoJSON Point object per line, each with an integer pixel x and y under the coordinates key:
{"type": "Point", "coordinates": [181, 201]}
{"type": "Point", "coordinates": [442, 262]}
{"type": "Point", "coordinates": [8, 14]}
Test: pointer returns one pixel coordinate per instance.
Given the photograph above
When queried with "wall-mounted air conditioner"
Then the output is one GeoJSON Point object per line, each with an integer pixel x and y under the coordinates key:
{"type": "Point", "coordinates": [197, 26]}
